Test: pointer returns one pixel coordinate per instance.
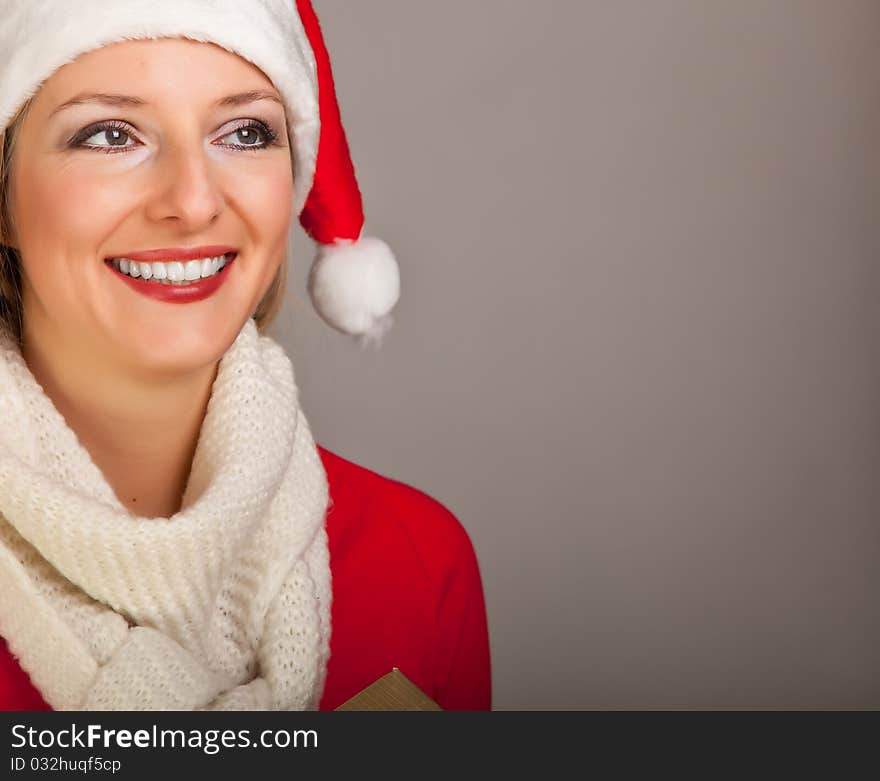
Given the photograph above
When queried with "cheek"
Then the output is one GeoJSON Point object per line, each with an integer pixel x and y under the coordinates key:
{"type": "Point", "coordinates": [268, 202]}
{"type": "Point", "coordinates": [264, 201]}
{"type": "Point", "coordinates": [66, 211]}
{"type": "Point", "coordinates": [63, 215]}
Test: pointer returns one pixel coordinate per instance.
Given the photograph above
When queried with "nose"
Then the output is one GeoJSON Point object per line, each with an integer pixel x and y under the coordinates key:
{"type": "Point", "coordinates": [187, 191]}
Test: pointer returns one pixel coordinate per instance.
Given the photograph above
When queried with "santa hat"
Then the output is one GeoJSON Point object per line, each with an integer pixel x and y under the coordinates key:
{"type": "Point", "coordinates": [354, 281]}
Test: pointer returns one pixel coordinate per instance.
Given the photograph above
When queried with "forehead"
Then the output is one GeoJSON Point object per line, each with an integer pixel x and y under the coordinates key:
{"type": "Point", "coordinates": [153, 69]}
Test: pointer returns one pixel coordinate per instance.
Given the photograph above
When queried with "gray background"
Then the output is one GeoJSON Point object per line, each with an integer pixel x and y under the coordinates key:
{"type": "Point", "coordinates": [637, 348]}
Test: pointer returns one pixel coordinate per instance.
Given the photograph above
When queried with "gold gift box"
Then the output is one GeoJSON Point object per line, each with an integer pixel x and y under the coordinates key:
{"type": "Point", "coordinates": [393, 691]}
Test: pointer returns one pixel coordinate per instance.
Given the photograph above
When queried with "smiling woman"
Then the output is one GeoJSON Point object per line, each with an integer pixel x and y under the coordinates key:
{"type": "Point", "coordinates": [171, 535]}
{"type": "Point", "coordinates": [112, 131]}
{"type": "Point", "coordinates": [176, 166]}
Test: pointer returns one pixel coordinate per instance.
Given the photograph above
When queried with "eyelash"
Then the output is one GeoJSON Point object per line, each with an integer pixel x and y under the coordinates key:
{"type": "Point", "coordinates": [78, 140]}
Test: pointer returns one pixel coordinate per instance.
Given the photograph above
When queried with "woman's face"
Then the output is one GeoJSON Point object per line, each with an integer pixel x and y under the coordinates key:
{"type": "Point", "coordinates": [178, 167]}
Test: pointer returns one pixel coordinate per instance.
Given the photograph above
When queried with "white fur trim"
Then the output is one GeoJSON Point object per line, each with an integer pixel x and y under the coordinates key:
{"type": "Point", "coordinates": [39, 36]}
{"type": "Point", "coordinates": [354, 286]}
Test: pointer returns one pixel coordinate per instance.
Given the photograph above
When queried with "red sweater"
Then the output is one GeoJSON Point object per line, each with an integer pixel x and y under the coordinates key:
{"type": "Point", "coordinates": [407, 593]}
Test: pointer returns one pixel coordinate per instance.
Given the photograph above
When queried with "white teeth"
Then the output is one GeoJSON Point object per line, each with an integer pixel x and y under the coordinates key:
{"type": "Point", "coordinates": [193, 270]}
{"type": "Point", "coordinates": [171, 271]}
{"type": "Point", "coordinates": [175, 271]}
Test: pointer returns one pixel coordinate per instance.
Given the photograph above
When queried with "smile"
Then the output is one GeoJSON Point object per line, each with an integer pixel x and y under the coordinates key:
{"type": "Point", "coordinates": [172, 272]}
{"type": "Point", "coordinates": [178, 282]}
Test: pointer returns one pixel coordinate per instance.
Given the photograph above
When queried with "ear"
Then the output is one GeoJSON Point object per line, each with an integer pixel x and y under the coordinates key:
{"type": "Point", "coordinates": [10, 240]}
{"type": "Point", "coordinates": [8, 234]}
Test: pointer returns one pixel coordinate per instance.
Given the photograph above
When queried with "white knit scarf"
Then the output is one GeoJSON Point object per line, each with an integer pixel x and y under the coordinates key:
{"type": "Point", "coordinates": [224, 606]}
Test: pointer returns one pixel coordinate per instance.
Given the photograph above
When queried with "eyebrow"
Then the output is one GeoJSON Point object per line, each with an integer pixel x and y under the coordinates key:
{"type": "Point", "coordinates": [242, 98]}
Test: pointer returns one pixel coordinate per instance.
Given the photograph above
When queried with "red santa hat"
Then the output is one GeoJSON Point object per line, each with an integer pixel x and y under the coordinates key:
{"type": "Point", "coordinates": [354, 281]}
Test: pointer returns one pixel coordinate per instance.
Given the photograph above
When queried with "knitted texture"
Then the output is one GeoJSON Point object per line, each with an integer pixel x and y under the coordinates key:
{"type": "Point", "coordinates": [223, 606]}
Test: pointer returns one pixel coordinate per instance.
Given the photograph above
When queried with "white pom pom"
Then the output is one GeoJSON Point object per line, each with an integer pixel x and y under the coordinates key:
{"type": "Point", "coordinates": [354, 286]}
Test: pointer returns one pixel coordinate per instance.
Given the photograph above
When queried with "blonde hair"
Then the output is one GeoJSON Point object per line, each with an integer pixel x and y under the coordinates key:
{"type": "Point", "coordinates": [11, 321]}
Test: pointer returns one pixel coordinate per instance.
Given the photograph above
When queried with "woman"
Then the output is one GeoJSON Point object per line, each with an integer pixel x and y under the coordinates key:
{"type": "Point", "coordinates": [171, 536]}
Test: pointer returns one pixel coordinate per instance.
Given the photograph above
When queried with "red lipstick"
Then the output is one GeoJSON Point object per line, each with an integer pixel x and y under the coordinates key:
{"type": "Point", "coordinates": [196, 290]}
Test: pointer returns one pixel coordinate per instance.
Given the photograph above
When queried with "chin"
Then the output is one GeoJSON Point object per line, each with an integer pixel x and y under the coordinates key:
{"type": "Point", "coordinates": [182, 351]}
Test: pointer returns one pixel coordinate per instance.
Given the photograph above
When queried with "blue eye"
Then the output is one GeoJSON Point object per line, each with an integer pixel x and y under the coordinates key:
{"type": "Point", "coordinates": [112, 131]}
{"type": "Point", "coordinates": [249, 136]}
{"type": "Point", "coordinates": [115, 133]}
